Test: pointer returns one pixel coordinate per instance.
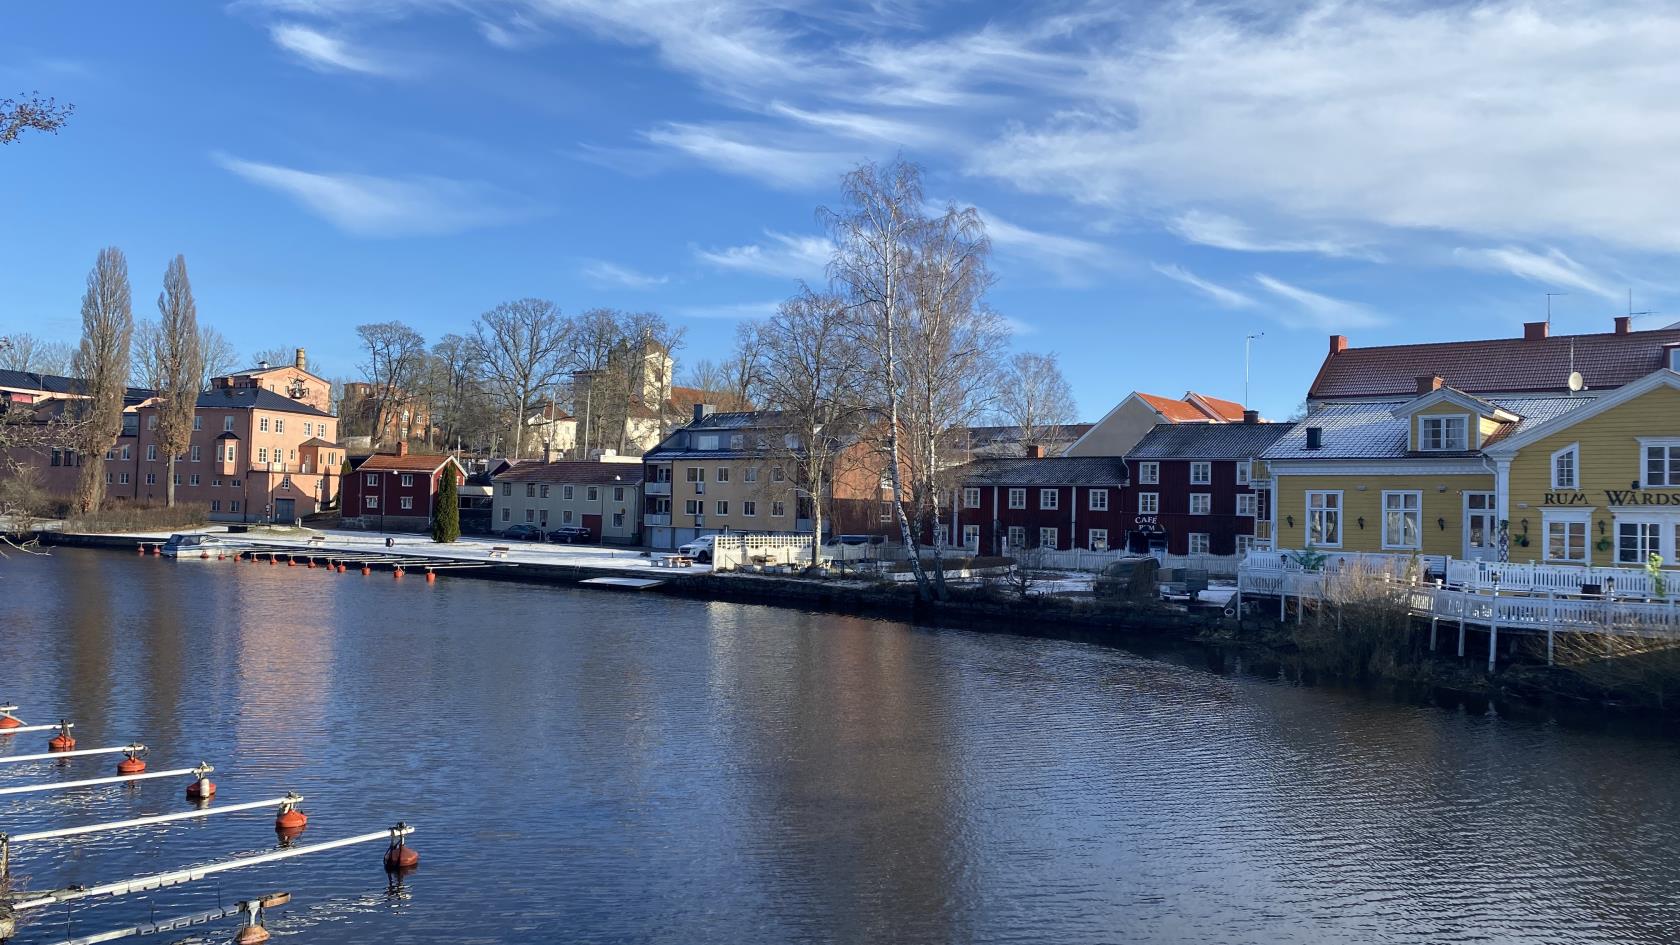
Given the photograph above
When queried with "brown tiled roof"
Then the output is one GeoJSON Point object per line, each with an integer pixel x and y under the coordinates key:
{"type": "Point", "coordinates": [1500, 365]}
{"type": "Point", "coordinates": [574, 471]}
{"type": "Point", "coordinates": [413, 462]}
{"type": "Point", "coordinates": [1177, 411]}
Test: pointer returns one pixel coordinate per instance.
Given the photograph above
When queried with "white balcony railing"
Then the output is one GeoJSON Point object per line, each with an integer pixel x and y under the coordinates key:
{"type": "Point", "coordinates": [656, 518]}
{"type": "Point", "coordinates": [656, 488]}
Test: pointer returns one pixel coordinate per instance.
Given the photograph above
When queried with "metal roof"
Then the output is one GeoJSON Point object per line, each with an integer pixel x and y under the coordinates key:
{"type": "Point", "coordinates": [1207, 440]}
{"type": "Point", "coordinates": [1050, 471]}
{"type": "Point", "coordinates": [255, 397]}
{"type": "Point", "coordinates": [584, 471]}
{"type": "Point", "coordinates": [1372, 431]}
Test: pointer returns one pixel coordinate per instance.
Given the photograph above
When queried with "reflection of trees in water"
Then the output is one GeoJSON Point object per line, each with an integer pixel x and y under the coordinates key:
{"type": "Point", "coordinates": [94, 675]}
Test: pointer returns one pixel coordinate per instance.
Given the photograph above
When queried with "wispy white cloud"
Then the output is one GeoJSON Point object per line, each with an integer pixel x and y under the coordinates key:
{"type": "Point", "coordinates": [732, 311]}
{"type": "Point", "coordinates": [604, 273]}
{"type": "Point", "coordinates": [1226, 232]}
{"type": "Point", "coordinates": [735, 152]}
{"type": "Point", "coordinates": [367, 205]}
{"type": "Point", "coordinates": [1230, 298]}
{"type": "Point", "coordinates": [1016, 327]}
{"type": "Point", "coordinates": [784, 256]}
{"type": "Point", "coordinates": [1070, 256]}
{"type": "Point", "coordinates": [325, 53]}
{"type": "Point", "coordinates": [1311, 309]}
{"type": "Point", "coordinates": [1552, 268]}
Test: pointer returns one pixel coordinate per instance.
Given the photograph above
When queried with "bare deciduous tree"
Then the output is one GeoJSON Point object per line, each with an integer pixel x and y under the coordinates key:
{"type": "Point", "coordinates": [459, 406]}
{"type": "Point", "coordinates": [31, 112]}
{"type": "Point", "coordinates": [168, 360]}
{"type": "Point", "coordinates": [102, 365]}
{"type": "Point", "coordinates": [26, 352]}
{"type": "Point", "coordinates": [875, 231]}
{"type": "Point", "coordinates": [522, 348]}
{"type": "Point", "coordinates": [1035, 398]}
{"type": "Point", "coordinates": [813, 375]}
{"type": "Point", "coordinates": [274, 357]}
{"type": "Point", "coordinates": [215, 354]}
{"type": "Point", "coordinates": [595, 335]}
{"type": "Point", "coordinates": [395, 355]}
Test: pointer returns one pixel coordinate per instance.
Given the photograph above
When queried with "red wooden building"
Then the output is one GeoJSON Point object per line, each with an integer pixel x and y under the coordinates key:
{"type": "Point", "coordinates": [1059, 503]}
{"type": "Point", "coordinates": [396, 491]}
{"type": "Point", "coordinates": [1192, 489]}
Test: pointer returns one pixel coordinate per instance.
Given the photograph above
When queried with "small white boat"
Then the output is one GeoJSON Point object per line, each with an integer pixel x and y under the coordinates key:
{"type": "Point", "coordinates": [202, 546]}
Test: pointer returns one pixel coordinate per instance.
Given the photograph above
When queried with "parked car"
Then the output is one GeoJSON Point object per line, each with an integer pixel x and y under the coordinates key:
{"type": "Point", "coordinates": [570, 534]}
{"type": "Point", "coordinates": [700, 549]}
{"type": "Point", "coordinates": [524, 531]}
{"type": "Point", "coordinates": [836, 540]}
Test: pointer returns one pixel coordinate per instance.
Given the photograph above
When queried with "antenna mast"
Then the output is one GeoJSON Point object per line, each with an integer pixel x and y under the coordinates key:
{"type": "Point", "coordinates": [1549, 297]}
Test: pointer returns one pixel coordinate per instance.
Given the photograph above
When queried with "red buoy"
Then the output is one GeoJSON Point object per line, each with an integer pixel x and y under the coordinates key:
{"type": "Point", "coordinates": [401, 856]}
{"type": "Point", "coordinates": [157, 549]}
{"type": "Point", "coordinates": [396, 572]}
{"type": "Point", "coordinates": [130, 765]}
{"type": "Point", "coordinates": [7, 721]}
{"type": "Point", "coordinates": [62, 741]}
{"type": "Point", "coordinates": [201, 790]}
{"type": "Point", "coordinates": [366, 569]}
{"type": "Point", "coordinates": [291, 562]}
{"type": "Point", "coordinates": [431, 576]}
{"type": "Point", "coordinates": [139, 549]}
{"type": "Point", "coordinates": [291, 819]}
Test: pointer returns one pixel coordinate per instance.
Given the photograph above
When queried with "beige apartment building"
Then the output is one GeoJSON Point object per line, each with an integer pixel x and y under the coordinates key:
{"type": "Point", "coordinates": [604, 497]}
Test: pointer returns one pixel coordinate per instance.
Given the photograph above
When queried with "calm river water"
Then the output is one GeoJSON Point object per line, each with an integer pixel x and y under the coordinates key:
{"type": "Point", "coordinates": [596, 767]}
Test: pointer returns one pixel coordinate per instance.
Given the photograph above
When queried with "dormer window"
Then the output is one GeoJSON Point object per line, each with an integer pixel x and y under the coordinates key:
{"type": "Point", "coordinates": [1439, 434]}
{"type": "Point", "coordinates": [1566, 467]}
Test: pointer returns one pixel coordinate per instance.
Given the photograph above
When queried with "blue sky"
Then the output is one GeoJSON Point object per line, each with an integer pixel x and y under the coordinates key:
{"type": "Point", "coordinates": [1160, 180]}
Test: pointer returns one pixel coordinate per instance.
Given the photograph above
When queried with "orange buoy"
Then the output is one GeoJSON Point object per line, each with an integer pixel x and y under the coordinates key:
{"type": "Point", "coordinates": [130, 765]}
{"type": "Point", "coordinates": [312, 562]}
{"type": "Point", "coordinates": [157, 549]}
{"type": "Point", "coordinates": [62, 741]}
{"type": "Point", "coordinates": [139, 549]}
{"type": "Point", "coordinates": [291, 562]}
{"type": "Point", "coordinates": [291, 819]}
{"type": "Point", "coordinates": [251, 935]}
{"type": "Point", "coordinates": [273, 560]}
{"type": "Point", "coordinates": [366, 569]}
{"type": "Point", "coordinates": [7, 721]}
{"type": "Point", "coordinates": [401, 856]}
{"type": "Point", "coordinates": [201, 790]}
{"type": "Point", "coordinates": [396, 572]}
{"type": "Point", "coordinates": [287, 835]}
{"type": "Point", "coordinates": [431, 576]}
{"type": "Point", "coordinates": [204, 555]}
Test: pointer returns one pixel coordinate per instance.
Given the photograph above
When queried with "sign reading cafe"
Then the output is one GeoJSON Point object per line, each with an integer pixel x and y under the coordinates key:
{"type": "Point", "coordinates": [1616, 498]}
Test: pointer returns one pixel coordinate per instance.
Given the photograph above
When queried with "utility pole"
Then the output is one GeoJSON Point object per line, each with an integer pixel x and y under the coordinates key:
{"type": "Point", "coordinates": [1549, 297]}
{"type": "Point", "coordinates": [1248, 349]}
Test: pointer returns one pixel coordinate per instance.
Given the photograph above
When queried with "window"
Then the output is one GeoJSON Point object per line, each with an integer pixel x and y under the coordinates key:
{"type": "Point", "coordinates": [1201, 503]}
{"type": "Point", "coordinates": [1245, 544]}
{"type": "Point", "coordinates": [215, 483]}
{"type": "Point", "coordinates": [1248, 504]}
{"type": "Point", "coordinates": [507, 513]}
{"type": "Point", "coordinates": [776, 474]}
{"type": "Point", "coordinates": [125, 453]}
{"type": "Point", "coordinates": [1098, 501]}
{"type": "Point", "coordinates": [1324, 519]}
{"type": "Point", "coordinates": [1047, 538]}
{"type": "Point", "coordinates": [57, 458]}
{"type": "Point", "coordinates": [227, 424]}
{"type": "Point", "coordinates": [1199, 543]}
{"type": "Point", "coordinates": [691, 507]}
{"type": "Point", "coordinates": [151, 453]}
{"type": "Point", "coordinates": [122, 479]}
{"type": "Point", "coordinates": [233, 483]}
{"type": "Point", "coordinates": [1566, 467]}
{"type": "Point", "coordinates": [1149, 474]}
{"type": "Point", "coordinates": [407, 502]}
{"type": "Point", "coordinates": [1662, 464]}
{"type": "Point", "coordinates": [1201, 474]}
{"type": "Point", "coordinates": [530, 514]}
{"type": "Point", "coordinates": [618, 493]}
{"type": "Point", "coordinates": [231, 453]}
{"type": "Point", "coordinates": [151, 422]}
{"type": "Point", "coordinates": [971, 537]}
{"type": "Point", "coordinates": [371, 502]}
{"type": "Point", "coordinates": [1402, 520]}
{"type": "Point", "coordinates": [778, 509]}
{"type": "Point", "coordinates": [530, 487]}
{"type": "Point", "coordinates": [749, 508]}
{"type": "Point", "coordinates": [196, 456]}
{"type": "Point", "coordinates": [108, 478]}
{"type": "Point", "coordinates": [1566, 536]}
{"type": "Point", "coordinates": [752, 474]}
{"type": "Point", "coordinates": [177, 478]}
{"type": "Point", "coordinates": [542, 517]}
{"type": "Point", "coordinates": [262, 454]}
{"type": "Point", "coordinates": [593, 493]}
{"type": "Point", "coordinates": [723, 507]}
{"type": "Point", "coordinates": [192, 480]}
{"type": "Point", "coordinates": [1244, 471]}
{"type": "Point", "coordinates": [618, 520]}
{"type": "Point", "coordinates": [308, 428]}
{"type": "Point", "coordinates": [695, 473]}
{"type": "Point", "coordinates": [1443, 433]}
{"type": "Point", "coordinates": [151, 479]}
{"type": "Point", "coordinates": [263, 424]}
{"type": "Point", "coordinates": [1049, 498]}
{"type": "Point", "coordinates": [1017, 498]}
{"type": "Point", "coordinates": [566, 493]}
{"type": "Point", "coordinates": [233, 506]}
{"type": "Point", "coordinates": [565, 516]}
{"type": "Point", "coordinates": [1636, 542]}
{"type": "Point", "coordinates": [1097, 539]}
{"type": "Point", "coordinates": [373, 480]}
{"type": "Point", "coordinates": [1017, 536]}
{"type": "Point", "coordinates": [507, 487]}
{"type": "Point", "coordinates": [280, 425]}
{"type": "Point", "coordinates": [971, 497]}
{"type": "Point", "coordinates": [1149, 503]}
{"type": "Point", "coordinates": [215, 505]}
{"type": "Point", "coordinates": [198, 423]}
{"type": "Point", "coordinates": [723, 474]}
{"type": "Point", "coordinates": [542, 491]}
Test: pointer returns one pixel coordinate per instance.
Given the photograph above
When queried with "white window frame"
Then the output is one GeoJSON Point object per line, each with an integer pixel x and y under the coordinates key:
{"type": "Point", "coordinates": [1580, 517]}
{"type": "Point", "coordinates": [1149, 474]}
{"type": "Point", "coordinates": [406, 502]}
{"type": "Point", "coordinates": [1199, 538]}
{"type": "Point", "coordinates": [1017, 498]}
{"type": "Point", "coordinates": [407, 479]}
{"type": "Point", "coordinates": [778, 509]}
{"type": "Point", "coordinates": [1337, 509]}
{"type": "Point", "coordinates": [373, 479]}
{"type": "Point", "coordinates": [723, 506]}
{"type": "Point", "coordinates": [1670, 445]}
{"type": "Point", "coordinates": [1149, 503]}
{"type": "Point", "coordinates": [371, 502]}
{"type": "Point", "coordinates": [1445, 447]}
{"type": "Point", "coordinates": [1016, 536]}
{"type": "Point", "coordinates": [1573, 451]}
{"type": "Point", "coordinates": [1049, 500]}
{"type": "Point", "coordinates": [227, 424]}
{"type": "Point", "coordinates": [1245, 472]}
{"type": "Point", "coordinates": [1389, 541]}
{"type": "Point", "coordinates": [1055, 542]}
{"type": "Point", "coordinates": [971, 497]}
{"type": "Point", "coordinates": [971, 537]}
{"type": "Point", "coordinates": [1096, 539]}
{"type": "Point", "coordinates": [1205, 502]}
{"type": "Point", "coordinates": [749, 508]}
{"type": "Point", "coordinates": [1248, 505]}
{"type": "Point", "coordinates": [1201, 474]}
{"type": "Point", "coordinates": [1097, 500]}
{"type": "Point", "coordinates": [1661, 523]}
{"type": "Point", "coordinates": [1245, 544]}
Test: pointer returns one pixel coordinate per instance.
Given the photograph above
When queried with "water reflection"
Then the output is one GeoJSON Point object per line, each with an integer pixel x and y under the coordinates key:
{"type": "Point", "coordinates": [630, 768]}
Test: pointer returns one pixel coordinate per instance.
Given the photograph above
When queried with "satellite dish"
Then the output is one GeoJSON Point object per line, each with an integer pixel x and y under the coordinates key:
{"type": "Point", "coordinates": [1576, 382]}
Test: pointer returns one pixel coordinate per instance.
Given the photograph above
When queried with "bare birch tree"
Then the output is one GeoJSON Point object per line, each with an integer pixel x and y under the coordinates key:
{"type": "Point", "coordinates": [31, 112]}
{"type": "Point", "coordinates": [102, 365]}
{"type": "Point", "coordinates": [1035, 398]}
{"type": "Point", "coordinates": [395, 355]}
{"type": "Point", "coordinates": [875, 231]}
{"type": "Point", "coordinates": [168, 356]}
{"type": "Point", "coordinates": [596, 334]}
{"type": "Point", "coordinates": [813, 376]}
{"type": "Point", "coordinates": [522, 349]}
{"type": "Point", "coordinates": [26, 352]}
{"type": "Point", "coordinates": [650, 346]}
{"type": "Point", "coordinates": [215, 354]}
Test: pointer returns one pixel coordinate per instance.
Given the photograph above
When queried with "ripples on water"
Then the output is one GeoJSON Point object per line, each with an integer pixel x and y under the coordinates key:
{"type": "Point", "coordinates": [591, 767]}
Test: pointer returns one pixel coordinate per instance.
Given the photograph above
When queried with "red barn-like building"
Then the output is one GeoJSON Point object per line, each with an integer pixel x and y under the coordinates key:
{"type": "Point", "coordinates": [1192, 489]}
{"type": "Point", "coordinates": [396, 491]}
{"type": "Point", "coordinates": [1060, 503]}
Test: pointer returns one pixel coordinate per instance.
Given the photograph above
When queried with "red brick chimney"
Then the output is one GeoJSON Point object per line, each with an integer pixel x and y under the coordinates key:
{"type": "Point", "coordinates": [1338, 344]}
{"type": "Point", "coordinates": [1624, 324]}
{"type": "Point", "coordinates": [1536, 331]}
{"type": "Point", "coordinates": [1429, 382]}
{"type": "Point", "coordinates": [402, 447]}
{"type": "Point", "coordinates": [1251, 416]}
